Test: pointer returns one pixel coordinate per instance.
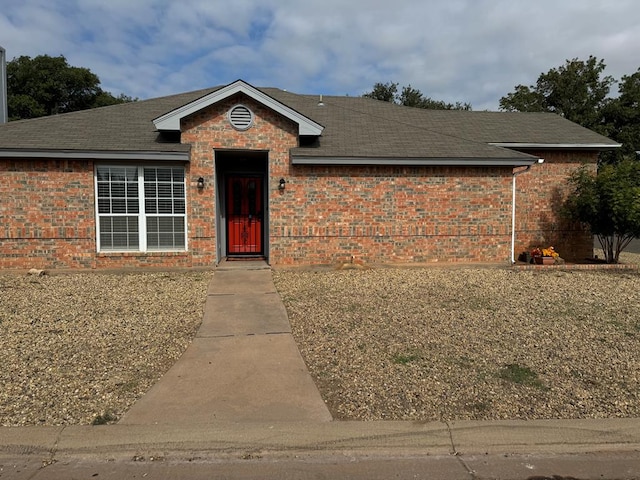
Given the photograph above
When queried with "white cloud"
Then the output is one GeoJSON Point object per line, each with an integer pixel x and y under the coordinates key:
{"type": "Point", "coordinates": [454, 50]}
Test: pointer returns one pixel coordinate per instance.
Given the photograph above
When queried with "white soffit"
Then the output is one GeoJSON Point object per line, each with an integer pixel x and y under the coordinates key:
{"type": "Point", "coordinates": [171, 121]}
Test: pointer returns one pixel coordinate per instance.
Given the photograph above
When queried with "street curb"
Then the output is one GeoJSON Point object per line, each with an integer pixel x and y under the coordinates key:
{"type": "Point", "coordinates": [388, 437]}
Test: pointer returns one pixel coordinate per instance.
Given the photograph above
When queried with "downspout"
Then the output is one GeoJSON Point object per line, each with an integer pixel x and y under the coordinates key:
{"type": "Point", "coordinates": [513, 209]}
{"type": "Point", "coordinates": [4, 115]}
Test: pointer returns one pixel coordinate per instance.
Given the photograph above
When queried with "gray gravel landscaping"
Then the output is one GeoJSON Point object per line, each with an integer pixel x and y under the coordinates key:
{"type": "Point", "coordinates": [417, 343]}
{"type": "Point", "coordinates": [81, 348]}
{"type": "Point", "coordinates": [469, 343]}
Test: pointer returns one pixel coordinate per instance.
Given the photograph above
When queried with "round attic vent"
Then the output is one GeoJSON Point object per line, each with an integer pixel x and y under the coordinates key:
{"type": "Point", "coordinates": [241, 117]}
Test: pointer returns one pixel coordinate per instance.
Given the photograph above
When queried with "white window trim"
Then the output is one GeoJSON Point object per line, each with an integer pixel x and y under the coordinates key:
{"type": "Point", "coordinates": [142, 224]}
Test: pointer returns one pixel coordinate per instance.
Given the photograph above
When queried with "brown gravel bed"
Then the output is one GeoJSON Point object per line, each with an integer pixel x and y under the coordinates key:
{"type": "Point", "coordinates": [80, 346]}
{"type": "Point", "coordinates": [469, 343]}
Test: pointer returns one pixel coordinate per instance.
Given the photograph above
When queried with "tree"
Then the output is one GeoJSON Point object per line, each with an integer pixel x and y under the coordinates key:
{"type": "Point", "coordinates": [411, 97]}
{"type": "Point", "coordinates": [46, 85]}
{"type": "Point", "coordinates": [387, 92]}
{"type": "Point", "coordinates": [609, 203]}
{"type": "Point", "coordinates": [575, 90]}
{"type": "Point", "coordinates": [622, 115]}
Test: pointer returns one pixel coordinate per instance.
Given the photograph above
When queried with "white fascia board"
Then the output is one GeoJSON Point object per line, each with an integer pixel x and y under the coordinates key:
{"type": "Point", "coordinates": [95, 155]}
{"type": "Point", "coordinates": [461, 162]}
{"type": "Point", "coordinates": [171, 121]}
{"type": "Point", "coordinates": [570, 146]}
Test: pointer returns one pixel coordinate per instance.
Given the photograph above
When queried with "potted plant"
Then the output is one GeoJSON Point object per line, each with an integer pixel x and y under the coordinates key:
{"type": "Point", "coordinates": [544, 256]}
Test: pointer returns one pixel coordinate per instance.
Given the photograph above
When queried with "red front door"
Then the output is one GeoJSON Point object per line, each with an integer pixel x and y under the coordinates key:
{"type": "Point", "coordinates": [244, 215]}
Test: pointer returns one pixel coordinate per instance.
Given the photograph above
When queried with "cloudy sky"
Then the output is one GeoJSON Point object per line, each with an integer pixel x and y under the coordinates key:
{"type": "Point", "coordinates": [454, 50]}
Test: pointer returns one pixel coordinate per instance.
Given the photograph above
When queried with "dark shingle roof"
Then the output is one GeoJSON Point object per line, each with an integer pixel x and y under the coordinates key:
{"type": "Point", "coordinates": [354, 127]}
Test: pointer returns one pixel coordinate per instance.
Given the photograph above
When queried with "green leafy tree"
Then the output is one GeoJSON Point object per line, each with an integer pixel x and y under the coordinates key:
{"type": "Point", "coordinates": [410, 97]}
{"type": "Point", "coordinates": [622, 115]}
{"type": "Point", "coordinates": [576, 90]}
{"type": "Point", "coordinates": [387, 92]}
{"type": "Point", "coordinates": [46, 85]}
{"type": "Point", "coordinates": [609, 203]}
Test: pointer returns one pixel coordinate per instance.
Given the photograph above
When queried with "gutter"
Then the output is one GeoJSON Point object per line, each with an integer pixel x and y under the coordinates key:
{"type": "Point", "coordinates": [427, 161]}
{"type": "Point", "coordinates": [555, 146]}
{"type": "Point", "coordinates": [95, 154]}
{"type": "Point", "coordinates": [513, 209]}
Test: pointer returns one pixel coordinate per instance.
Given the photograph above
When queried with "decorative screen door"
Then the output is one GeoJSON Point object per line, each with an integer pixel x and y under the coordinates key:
{"type": "Point", "coordinates": [244, 215]}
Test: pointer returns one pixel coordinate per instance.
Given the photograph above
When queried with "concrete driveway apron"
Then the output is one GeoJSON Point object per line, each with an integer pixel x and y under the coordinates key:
{"type": "Point", "coordinates": [243, 364]}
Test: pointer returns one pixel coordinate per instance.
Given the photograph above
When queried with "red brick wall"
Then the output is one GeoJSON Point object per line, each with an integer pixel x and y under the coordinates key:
{"type": "Point", "coordinates": [391, 214]}
{"type": "Point", "coordinates": [46, 214]}
{"type": "Point", "coordinates": [540, 194]}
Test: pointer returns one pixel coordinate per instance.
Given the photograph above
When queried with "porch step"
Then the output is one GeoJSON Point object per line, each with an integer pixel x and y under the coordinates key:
{"type": "Point", "coordinates": [243, 264]}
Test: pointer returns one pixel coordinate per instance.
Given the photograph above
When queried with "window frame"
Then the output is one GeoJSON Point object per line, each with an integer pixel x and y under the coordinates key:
{"type": "Point", "coordinates": [141, 215]}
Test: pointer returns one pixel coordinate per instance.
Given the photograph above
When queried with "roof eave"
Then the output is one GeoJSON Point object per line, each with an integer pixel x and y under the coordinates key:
{"type": "Point", "coordinates": [95, 154]}
{"type": "Point", "coordinates": [556, 146]}
{"type": "Point", "coordinates": [171, 120]}
{"type": "Point", "coordinates": [395, 161]}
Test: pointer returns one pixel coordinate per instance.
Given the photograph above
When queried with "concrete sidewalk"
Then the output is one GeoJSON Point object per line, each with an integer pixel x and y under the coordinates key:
{"type": "Point", "coordinates": [243, 365]}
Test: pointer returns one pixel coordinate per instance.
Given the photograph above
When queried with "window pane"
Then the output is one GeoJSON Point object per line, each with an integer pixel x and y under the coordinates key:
{"type": "Point", "coordinates": [165, 240]}
{"type": "Point", "coordinates": [152, 240]}
{"type": "Point", "coordinates": [178, 206]}
{"type": "Point", "coordinates": [165, 224]}
{"type": "Point", "coordinates": [119, 224]}
{"type": "Point", "coordinates": [132, 206]}
{"type": "Point", "coordinates": [132, 174]}
{"type": "Point", "coordinates": [102, 173]}
{"type": "Point", "coordinates": [104, 205]}
{"type": "Point", "coordinates": [178, 175]}
{"type": "Point", "coordinates": [105, 225]}
{"type": "Point", "coordinates": [132, 189]}
{"type": "Point", "coordinates": [150, 189]}
{"type": "Point", "coordinates": [118, 233]}
{"type": "Point", "coordinates": [164, 190]}
{"type": "Point", "coordinates": [150, 206]}
{"type": "Point", "coordinates": [134, 241]}
{"type": "Point", "coordinates": [165, 206]}
{"type": "Point", "coordinates": [105, 241]}
{"type": "Point", "coordinates": [163, 174]}
{"type": "Point", "coordinates": [120, 240]}
{"type": "Point", "coordinates": [165, 232]}
{"type": "Point", "coordinates": [118, 174]}
{"type": "Point", "coordinates": [118, 205]}
{"type": "Point", "coordinates": [117, 189]}
{"type": "Point", "coordinates": [103, 189]}
{"type": "Point", "coordinates": [178, 240]}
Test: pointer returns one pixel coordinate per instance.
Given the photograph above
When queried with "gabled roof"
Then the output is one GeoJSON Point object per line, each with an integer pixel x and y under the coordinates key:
{"type": "Point", "coordinates": [171, 121]}
{"type": "Point", "coordinates": [340, 130]}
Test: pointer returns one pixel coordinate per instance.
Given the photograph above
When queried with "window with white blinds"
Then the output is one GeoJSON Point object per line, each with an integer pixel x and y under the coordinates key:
{"type": "Point", "coordinates": [140, 208]}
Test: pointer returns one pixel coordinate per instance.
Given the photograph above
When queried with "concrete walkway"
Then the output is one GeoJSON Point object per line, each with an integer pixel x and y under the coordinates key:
{"type": "Point", "coordinates": [243, 365]}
